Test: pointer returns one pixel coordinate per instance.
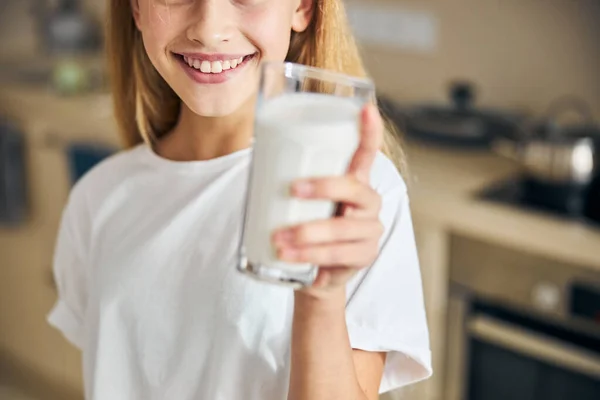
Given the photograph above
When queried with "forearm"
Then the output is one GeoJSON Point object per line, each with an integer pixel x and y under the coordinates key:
{"type": "Point", "coordinates": [322, 362]}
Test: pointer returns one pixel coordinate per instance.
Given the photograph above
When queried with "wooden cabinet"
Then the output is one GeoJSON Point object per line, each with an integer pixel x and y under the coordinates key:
{"type": "Point", "coordinates": [34, 356]}
{"type": "Point", "coordinates": [432, 245]}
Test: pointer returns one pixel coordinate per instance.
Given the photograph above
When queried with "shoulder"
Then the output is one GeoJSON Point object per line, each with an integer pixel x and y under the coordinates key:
{"type": "Point", "coordinates": [103, 178]}
{"type": "Point", "coordinates": [385, 177]}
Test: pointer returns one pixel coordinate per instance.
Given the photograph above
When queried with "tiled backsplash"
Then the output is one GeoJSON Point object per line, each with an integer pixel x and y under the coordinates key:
{"type": "Point", "coordinates": [519, 53]}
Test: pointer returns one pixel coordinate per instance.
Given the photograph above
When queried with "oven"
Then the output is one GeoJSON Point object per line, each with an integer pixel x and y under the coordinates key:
{"type": "Point", "coordinates": [520, 327]}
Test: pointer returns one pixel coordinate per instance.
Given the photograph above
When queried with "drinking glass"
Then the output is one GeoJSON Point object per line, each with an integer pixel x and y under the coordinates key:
{"type": "Point", "coordinates": [307, 125]}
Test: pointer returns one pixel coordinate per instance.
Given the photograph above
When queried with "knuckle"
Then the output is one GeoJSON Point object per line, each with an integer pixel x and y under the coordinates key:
{"type": "Point", "coordinates": [335, 255]}
{"type": "Point", "coordinates": [304, 255]}
{"type": "Point", "coordinates": [377, 200]}
{"type": "Point", "coordinates": [375, 249]}
{"type": "Point", "coordinates": [332, 230]}
{"type": "Point", "coordinates": [326, 187]}
{"type": "Point", "coordinates": [321, 231]}
{"type": "Point", "coordinates": [357, 187]}
{"type": "Point", "coordinates": [301, 233]}
{"type": "Point", "coordinates": [380, 228]}
{"type": "Point", "coordinates": [346, 226]}
{"type": "Point", "coordinates": [373, 252]}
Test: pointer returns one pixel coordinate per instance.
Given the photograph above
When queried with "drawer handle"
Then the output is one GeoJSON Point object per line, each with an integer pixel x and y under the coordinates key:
{"type": "Point", "coordinates": [535, 345]}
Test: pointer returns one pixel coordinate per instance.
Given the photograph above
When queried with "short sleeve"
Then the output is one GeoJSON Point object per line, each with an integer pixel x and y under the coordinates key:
{"type": "Point", "coordinates": [385, 310]}
{"type": "Point", "coordinates": [70, 276]}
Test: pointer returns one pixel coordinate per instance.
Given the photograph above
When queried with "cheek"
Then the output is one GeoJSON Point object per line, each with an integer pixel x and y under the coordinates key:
{"type": "Point", "coordinates": [269, 32]}
{"type": "Point", "coordinates": [158, 24]}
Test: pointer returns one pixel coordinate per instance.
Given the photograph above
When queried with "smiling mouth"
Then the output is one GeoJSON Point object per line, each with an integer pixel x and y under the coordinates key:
{"type": "Point", "coordinates": [214, 66]}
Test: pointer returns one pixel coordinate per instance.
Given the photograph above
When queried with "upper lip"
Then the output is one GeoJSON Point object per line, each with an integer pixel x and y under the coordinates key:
{"type": "Point", "coordinates": [213, 56]}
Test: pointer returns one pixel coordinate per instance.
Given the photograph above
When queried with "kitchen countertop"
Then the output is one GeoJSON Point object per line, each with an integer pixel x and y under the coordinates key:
{"type": "Point", "coordinates": [444, 184]}
{"type": "Point", "coordinates": [40, 111]}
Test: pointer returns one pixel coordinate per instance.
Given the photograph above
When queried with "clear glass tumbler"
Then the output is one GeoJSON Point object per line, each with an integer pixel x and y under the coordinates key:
{"type": "Point", "coordinates": [306, 126]}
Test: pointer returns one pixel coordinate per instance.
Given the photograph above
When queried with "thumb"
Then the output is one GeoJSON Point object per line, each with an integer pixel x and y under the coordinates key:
{"type": "Point", "coordinates": [371, 137]}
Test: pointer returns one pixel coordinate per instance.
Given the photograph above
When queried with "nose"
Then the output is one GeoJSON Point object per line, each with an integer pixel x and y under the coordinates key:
{"type": "Point", "coordinates": [213, 23]}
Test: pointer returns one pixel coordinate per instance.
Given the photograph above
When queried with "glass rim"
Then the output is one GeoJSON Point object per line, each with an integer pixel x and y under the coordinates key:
{"type": "Point", "coordinates": [293, 70]}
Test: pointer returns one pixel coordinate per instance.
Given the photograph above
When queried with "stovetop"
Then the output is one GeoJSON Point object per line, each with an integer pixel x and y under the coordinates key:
{"type": "Point", "coordinates": [569, 203]}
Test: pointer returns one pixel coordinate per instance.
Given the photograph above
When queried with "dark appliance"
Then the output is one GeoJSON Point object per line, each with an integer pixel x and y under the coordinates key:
{"type": "Point", "coordinates": [520, 326]}
{"type": "Point", "coordinates": [459, 123]}
{"type": "Point", "coordinates": [560, 162]}
{"type": "Point", "coordinates": [570, 202]}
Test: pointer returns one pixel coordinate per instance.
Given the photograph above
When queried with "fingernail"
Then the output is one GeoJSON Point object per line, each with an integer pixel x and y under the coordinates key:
{"type": "Point", "coordinates": [288, 254]}
{"type": "Point", "coordinates": [303, 188]}
{"type": "Point", "coordinates": [283, 236]}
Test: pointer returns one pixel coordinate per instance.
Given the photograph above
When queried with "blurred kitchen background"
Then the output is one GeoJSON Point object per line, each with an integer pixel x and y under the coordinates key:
{"type": "Point", "coordinates": [499, 105]}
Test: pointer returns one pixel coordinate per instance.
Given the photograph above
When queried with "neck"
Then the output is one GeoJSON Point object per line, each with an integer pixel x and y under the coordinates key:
{"type": "Point", "coordinates": [197, 138]}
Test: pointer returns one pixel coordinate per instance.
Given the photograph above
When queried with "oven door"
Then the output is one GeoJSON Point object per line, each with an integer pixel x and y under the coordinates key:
{"type": "Point", "coordinates": [513, 356]}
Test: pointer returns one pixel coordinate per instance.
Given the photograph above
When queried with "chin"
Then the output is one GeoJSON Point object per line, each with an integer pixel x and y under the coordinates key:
{"type": "Point", "coordinates": [215, 105]}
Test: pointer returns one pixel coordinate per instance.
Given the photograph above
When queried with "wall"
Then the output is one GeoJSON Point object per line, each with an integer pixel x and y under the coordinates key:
{"type": "Point", "coordinates": [520, 53]}
{"type": "Point", "coordinates": [18, 36]}
{"type": "Point", "coordinates": [16, 28]}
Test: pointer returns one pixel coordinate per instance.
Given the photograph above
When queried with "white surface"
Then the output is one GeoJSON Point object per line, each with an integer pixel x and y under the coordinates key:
{"type": "Point", "coordinates": [389, 25]}
{"type": "Point", "coordinates": [145, 263]}
{"type": "Point", "coordinates": [297, 136]}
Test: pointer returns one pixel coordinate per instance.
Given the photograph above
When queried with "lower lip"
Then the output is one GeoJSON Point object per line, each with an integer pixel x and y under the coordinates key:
{"type": "Point", "coordinates": [211, 79]}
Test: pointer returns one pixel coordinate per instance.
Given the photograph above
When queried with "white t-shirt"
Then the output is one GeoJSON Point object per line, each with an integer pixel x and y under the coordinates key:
{"type": "Point", "coordinates": [148, 289]}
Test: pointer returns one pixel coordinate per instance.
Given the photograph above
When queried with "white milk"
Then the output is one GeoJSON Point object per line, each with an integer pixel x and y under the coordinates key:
{"type": "Point", "coordinates": [298, 135]}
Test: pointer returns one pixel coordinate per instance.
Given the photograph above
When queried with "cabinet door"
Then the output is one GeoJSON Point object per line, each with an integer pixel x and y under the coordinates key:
{"type": "Point", "coordinates": [432, 246]}
{"type": "Point", "coordinates": [33, 355]}
{"type": "Point", "coordinates": [52, 185]}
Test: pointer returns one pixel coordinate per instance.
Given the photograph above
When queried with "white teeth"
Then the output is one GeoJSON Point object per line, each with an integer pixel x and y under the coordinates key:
{"type": "Point", "coordinates": [213, 67]}
{"type": "Point", "coordinates": [216, 67]}
{"type": "Point", "coordinates": [205, 67]}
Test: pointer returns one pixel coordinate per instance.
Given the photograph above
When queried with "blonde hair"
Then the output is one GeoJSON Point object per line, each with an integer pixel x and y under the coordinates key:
{"type": "Point", "coordinates": [146, 108]}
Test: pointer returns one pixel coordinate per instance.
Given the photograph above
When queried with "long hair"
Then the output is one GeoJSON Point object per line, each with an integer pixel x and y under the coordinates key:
{"type": "Point", "coordinates": [146, 108]}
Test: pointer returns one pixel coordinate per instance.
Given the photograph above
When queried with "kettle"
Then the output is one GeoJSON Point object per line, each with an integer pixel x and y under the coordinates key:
{"type": "Point", "coordinates": [560, 161]}
{"type": "Point", "coordinates": [553, 152]}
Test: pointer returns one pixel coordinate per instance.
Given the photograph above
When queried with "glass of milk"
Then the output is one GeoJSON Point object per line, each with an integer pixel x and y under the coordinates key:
{"type": "Point", "coordinates": [306, 126]}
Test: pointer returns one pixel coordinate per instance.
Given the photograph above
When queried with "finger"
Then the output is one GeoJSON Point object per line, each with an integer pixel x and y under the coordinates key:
{"type": "Point", "coordinates": [371, 137]}
{"type": "Point", "coordinates": [327, 231]}
{"type": "Point", "coordinates": [354, 255]}
{"type": "Point", "coordinates": [344, 189]}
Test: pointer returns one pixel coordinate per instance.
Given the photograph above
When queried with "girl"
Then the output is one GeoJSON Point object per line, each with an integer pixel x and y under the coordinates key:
{"type": "Point", "coordinates": [146, 253]}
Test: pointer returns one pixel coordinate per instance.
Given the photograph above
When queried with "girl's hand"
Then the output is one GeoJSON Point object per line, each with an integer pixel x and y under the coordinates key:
{"type": "Point", "coordinates": [342, 245]}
